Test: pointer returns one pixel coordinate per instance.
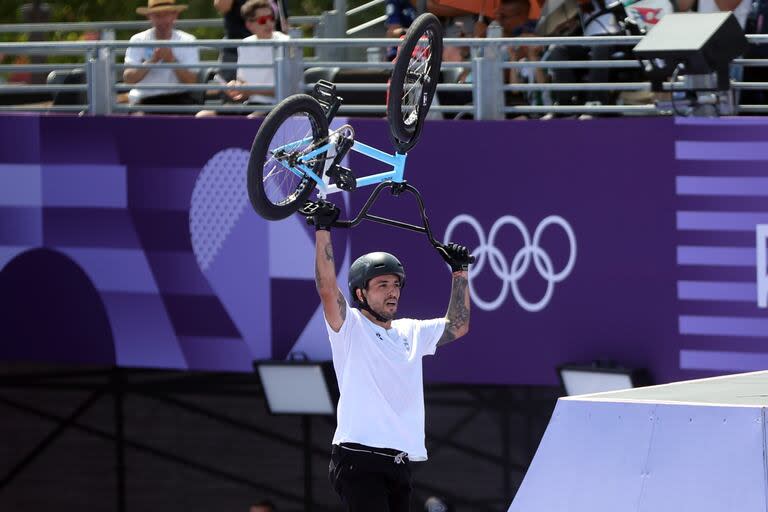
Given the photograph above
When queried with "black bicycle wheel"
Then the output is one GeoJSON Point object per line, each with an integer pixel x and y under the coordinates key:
{"type": "Point", "coordinates": [276, 185]}
{"type": "Point", "coordinates": [415, 77]}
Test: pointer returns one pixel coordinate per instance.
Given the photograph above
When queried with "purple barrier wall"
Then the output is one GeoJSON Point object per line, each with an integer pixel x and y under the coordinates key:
{"type": "Point", "coordinates": [130, 241]}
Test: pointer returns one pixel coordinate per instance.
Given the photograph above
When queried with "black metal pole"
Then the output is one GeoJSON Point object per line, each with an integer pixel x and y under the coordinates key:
{"type": "Point", "coordinates": [306, 423]}
{"type": "Point", "coordinates": [117, 391]}
{"type": "Point", "coordinates": [506, 443]}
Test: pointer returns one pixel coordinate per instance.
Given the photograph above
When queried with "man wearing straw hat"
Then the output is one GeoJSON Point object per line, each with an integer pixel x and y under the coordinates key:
{"type": "Point", "coordinates": [162, 14]}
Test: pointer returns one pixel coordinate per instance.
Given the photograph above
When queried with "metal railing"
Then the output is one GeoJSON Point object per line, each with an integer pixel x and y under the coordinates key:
{"type": "Point", "coordinates": [486, 92]}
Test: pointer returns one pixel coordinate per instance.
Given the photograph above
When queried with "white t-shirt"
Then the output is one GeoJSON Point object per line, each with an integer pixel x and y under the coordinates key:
{"type": "Point", "coordinates": [741, 11]}
{"type": "Point", "coordinates": [137, 55]}
{"type": "Point", "coordinates": [259, 55]}
{"type": "Point", "coordinates": [380, 379]}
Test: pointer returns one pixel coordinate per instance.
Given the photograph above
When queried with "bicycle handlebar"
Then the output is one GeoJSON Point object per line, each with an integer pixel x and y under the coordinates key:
{"type": "Point", "coordinates": [397, 189]}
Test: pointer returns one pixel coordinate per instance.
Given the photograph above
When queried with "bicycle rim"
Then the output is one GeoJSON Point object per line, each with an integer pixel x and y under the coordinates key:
{"type": "Point", "coordinates": [417, 77]}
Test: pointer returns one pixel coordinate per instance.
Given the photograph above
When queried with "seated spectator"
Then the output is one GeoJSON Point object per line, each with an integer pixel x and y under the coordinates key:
{"type": "Point", "coordinates": [457, 53]}
{"type": "Point", "coordinates": [235, 28]}
{"type": "Point", "coordinates": [260, 19]}
{"type": "Point", "coordinates": [162, 14]}
{"type": "Point", "coordinates": [512, 16]}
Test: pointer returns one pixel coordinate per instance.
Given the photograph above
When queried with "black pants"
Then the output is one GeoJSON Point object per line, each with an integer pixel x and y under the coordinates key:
{"type": "Point", "coordinates": [369, 482]}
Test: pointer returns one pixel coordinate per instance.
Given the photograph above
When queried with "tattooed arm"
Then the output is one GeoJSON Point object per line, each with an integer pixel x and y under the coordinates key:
{"type": "Point", "coordinates": [458, 310]}
{"type": "Point", "coordinates": [334, 303]}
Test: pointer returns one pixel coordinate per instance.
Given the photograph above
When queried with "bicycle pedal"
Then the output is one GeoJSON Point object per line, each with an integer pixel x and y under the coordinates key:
{"type": "Point", "coordinates": [343, 178]}
{"type": "Point", "coordinates": [325, 94]}
{"type": "Point", "coordinates": [309, 208]}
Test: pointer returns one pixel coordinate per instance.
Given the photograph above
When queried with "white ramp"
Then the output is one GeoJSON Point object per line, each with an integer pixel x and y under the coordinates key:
{"type": "Point", "coordinates": [696, 446]}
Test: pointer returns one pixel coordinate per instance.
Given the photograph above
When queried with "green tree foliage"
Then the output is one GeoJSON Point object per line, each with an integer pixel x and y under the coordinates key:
{"type": "Point", "coordinates": [111, 10]}
{"type": "Point", "coordinates": [63, 11]}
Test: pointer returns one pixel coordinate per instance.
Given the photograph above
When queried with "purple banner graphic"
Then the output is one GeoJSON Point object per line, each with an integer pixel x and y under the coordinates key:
{"type": "Point", "coordinates": [722, 184]}
{"type": "Point", "coordinates": [716, 290]}
{"type": "Point", "coordinates": [130, 241]}
{"type": "Point", "coordinates": [714, 186]}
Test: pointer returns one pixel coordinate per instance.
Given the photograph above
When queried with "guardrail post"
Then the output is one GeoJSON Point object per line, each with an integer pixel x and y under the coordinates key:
{"type": "Point", "coordinates": [340, 6]}
{"type": "Point", "coordinates": [487, 92]}
{"type": "Point", "coordinates": [289, 72]}
{"type": "Point", "coordinates": [99, 83]}
{"type": "Point", "coordinates": [333, 24]}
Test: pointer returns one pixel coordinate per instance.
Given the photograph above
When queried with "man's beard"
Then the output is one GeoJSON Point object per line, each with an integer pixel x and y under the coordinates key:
{"type": "Point", "coordinates": [385, 315]}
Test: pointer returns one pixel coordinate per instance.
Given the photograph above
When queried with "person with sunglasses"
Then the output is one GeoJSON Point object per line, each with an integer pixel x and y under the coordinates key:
{"type": "Point", "coordinates": [260, 19]}
{"type": "Point", "coordinates": [234, 28]}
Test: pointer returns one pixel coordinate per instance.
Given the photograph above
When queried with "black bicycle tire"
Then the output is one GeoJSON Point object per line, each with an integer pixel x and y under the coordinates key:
{"type": "Point", "coordinates": [296, 104]}
{"type": "Point", "coordinates": [399, 129]}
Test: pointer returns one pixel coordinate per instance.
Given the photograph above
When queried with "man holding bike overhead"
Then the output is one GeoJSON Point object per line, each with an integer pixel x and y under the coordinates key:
{"type": "Point", "coordinates": [380, 416]}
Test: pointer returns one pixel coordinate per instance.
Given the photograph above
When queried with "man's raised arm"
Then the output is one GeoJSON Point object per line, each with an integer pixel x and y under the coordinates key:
{"type": "Point", "coordinates": [458, 258]}
{"type": "Point", "coordinates": [334, 303]}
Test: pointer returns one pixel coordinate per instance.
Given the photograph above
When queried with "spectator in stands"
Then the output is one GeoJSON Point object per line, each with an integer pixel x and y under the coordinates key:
{"type": "Point", "coordinates": [513, 17]}
{"type": "Point", "coordinates": [263, 506]}
{"type": "Point", "coordinates": [260, 19]}
{"type": "Point", "coordinates": [235, 28]}
{"type": "Point", "coordinates": [401, 13]}
{"type": "Point", "coordinates": [162, 14]}
{"type": "Point", "coordinates": [259, 16]}
{"type": "Point", "coordinates": [456, 54]}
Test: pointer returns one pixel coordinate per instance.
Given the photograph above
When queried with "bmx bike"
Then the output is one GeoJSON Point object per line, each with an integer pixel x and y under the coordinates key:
{"type": "Point", "coordinates": [294, 152]}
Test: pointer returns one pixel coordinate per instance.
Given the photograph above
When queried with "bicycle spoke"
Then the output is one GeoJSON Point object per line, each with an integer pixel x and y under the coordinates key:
{"type": "Point", "coordinates": [418, 71]}
{"type": "Point", "coordinates": [280, 179]}
{"type": "Point", "coordinates": [414, 79]}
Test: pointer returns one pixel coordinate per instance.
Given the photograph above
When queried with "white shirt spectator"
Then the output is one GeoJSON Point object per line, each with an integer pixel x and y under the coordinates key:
{"type": "Point", "coordinates": [137, 55]}
{"type": "Point", "coordinates": [261, 77]}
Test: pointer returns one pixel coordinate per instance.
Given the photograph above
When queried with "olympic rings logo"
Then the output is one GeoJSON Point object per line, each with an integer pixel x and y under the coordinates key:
{"type": "Point", "coordinates": [511, 273]}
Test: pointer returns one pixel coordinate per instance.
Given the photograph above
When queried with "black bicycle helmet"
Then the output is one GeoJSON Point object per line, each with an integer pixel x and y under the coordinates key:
{"type": "Point", "coordinates": [371, 265]}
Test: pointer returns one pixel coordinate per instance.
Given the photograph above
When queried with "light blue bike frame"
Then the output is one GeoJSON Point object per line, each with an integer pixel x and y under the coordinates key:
{"type": "Point", "coordinates": [396, 161]}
